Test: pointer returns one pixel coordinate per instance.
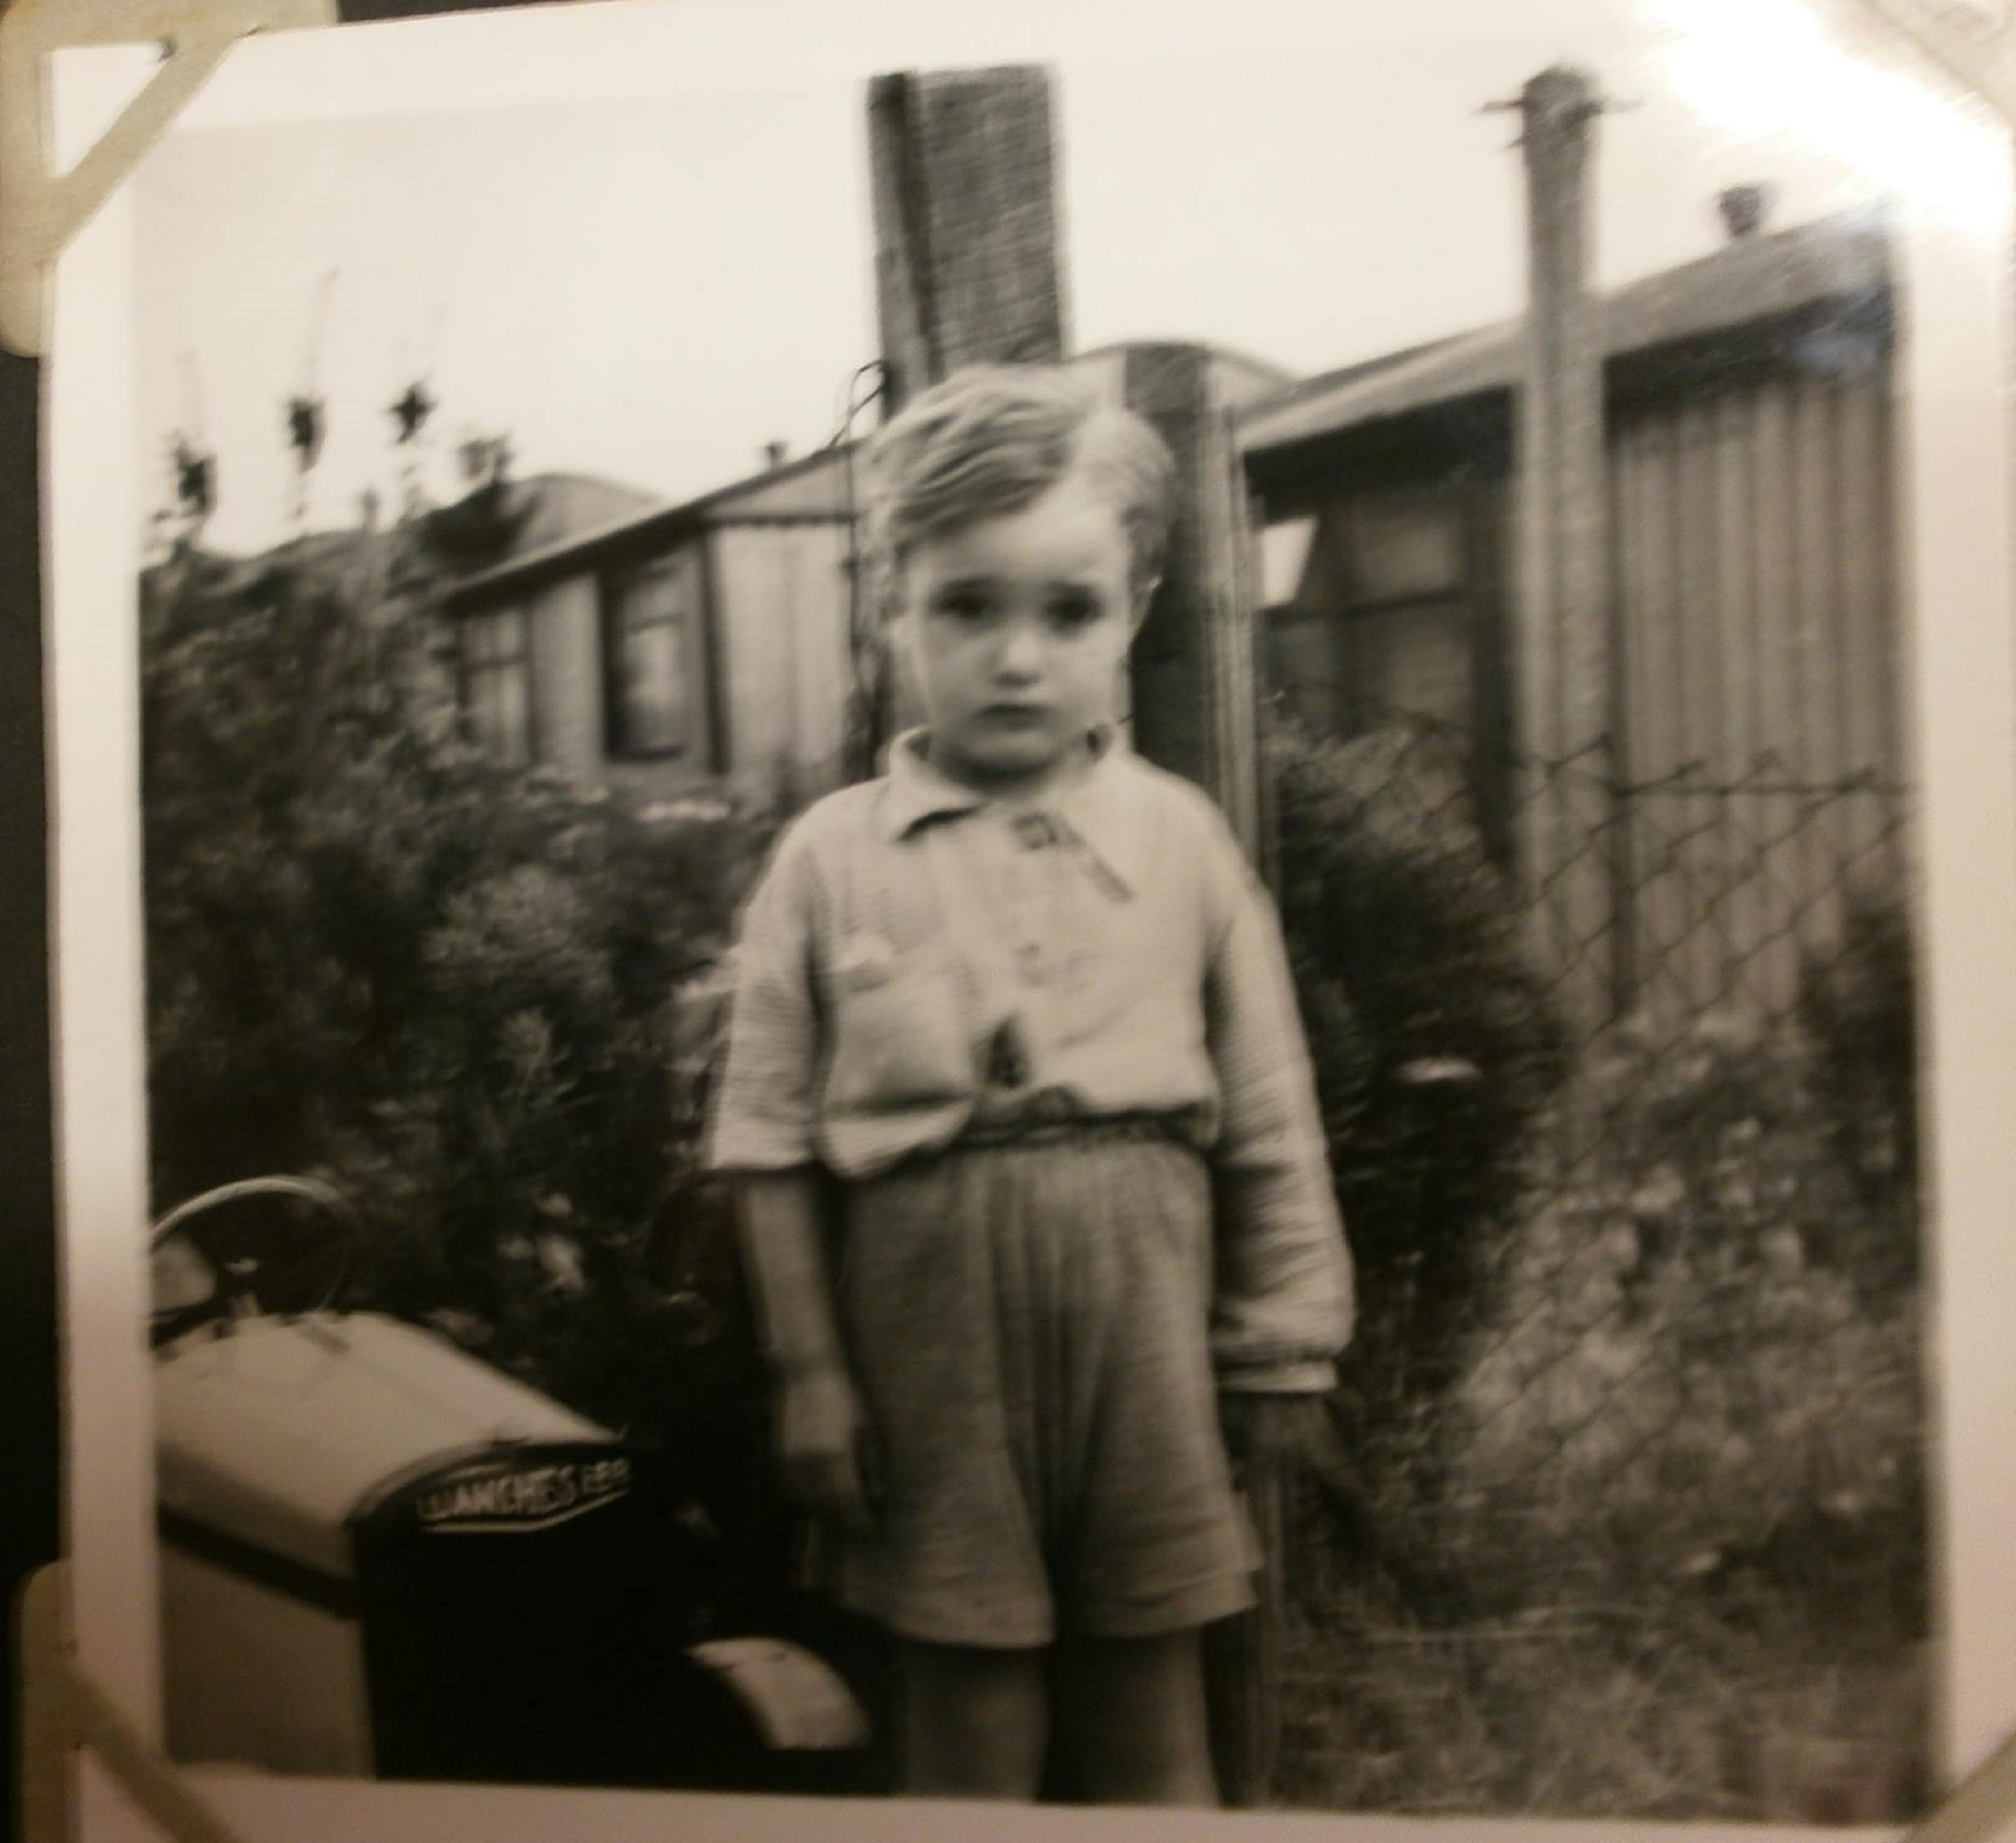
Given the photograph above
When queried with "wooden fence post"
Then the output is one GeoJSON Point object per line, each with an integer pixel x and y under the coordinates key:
{"type": "Point", "coordinates": [1196, 680]}
{"type": "Point", "coordinates": [1566, 696]}
{"type": "Point", "coordinates": [1243, 1655]}
{"type": "Point", "coordinates": [1196, 672]}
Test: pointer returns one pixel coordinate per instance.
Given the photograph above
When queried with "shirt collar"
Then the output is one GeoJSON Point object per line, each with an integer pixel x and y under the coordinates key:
{"type": "Point", "coordinates": [1100, 808]}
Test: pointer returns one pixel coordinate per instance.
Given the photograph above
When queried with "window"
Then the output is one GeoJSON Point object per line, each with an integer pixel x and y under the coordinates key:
{"type": "Point", "coordinates": [1384, 618]}
{"type": "Point", "coordinates": [497, 683]}
{"type": "Point", "coordinates": [1406, 546]}
{"type": "Point", "coordinates": [1392, 620]}
{"type": "Point", "coordinates": [1284, 559]}
{"type": "Point", "coordinates": [1409, 641]}
{"type": "Point", "coordinates": [1418, 657]}
{"type": "Point", "coordinates": [648, 632]}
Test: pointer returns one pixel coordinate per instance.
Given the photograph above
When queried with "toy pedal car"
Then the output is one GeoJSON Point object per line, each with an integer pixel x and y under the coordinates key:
{"type": "Point", "coordinates": [381, 1555]}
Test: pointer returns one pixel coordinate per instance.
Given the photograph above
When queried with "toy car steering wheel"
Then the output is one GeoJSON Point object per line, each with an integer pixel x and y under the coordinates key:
{"type": "Point", "coordinates": [241, 1286]}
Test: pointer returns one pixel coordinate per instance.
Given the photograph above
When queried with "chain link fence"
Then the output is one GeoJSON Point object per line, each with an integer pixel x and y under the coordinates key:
{"type": "Point", "coordinates": [1620, 1507]}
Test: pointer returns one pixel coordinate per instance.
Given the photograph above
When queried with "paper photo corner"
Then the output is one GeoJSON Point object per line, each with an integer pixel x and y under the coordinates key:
{"type": "Point", "coordinates": [41, 209]}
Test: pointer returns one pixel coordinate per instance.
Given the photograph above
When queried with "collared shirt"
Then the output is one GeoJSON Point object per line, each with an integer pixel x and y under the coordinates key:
{"type": "Point", "coordinates": [918, 962]}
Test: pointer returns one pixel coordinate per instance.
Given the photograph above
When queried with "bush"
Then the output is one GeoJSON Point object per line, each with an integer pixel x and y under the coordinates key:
{"type": "Point", "coordinates": [446, 982]}
{"type": "Point", "coordinates": [1857, 1004]}
{"type": "Point", "coordinates": [1435, 1045]}
{"type": "Point", "coordinates": [1679, 1378]}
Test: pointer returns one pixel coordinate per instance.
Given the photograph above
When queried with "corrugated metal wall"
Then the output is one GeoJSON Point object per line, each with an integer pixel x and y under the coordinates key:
{"type": "Point", "coordinates": [1761, 666]}
{"type": "Point", "coordinates": [1758, 666]}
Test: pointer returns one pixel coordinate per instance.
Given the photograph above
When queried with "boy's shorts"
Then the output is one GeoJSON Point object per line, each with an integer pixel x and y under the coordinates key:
{"type": "Point", "coordinates": [1028, 1323]}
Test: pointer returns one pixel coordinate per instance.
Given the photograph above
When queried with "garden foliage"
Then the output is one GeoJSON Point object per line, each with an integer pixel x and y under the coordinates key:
{"type": "Point", "coordinates": [1435, 1044]}
{"type": "Point", "coordinates": [1637, 1410]}
{"type": "Point", "coordinates": [1688, 1368]}
{"type": "Point", "coordinates": [1858, 1010]}
{"type": "Point", "coordinates": [451, 984]}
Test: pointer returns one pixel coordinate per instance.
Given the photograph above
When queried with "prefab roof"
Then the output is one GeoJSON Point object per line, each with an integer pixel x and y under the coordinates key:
{"type": "Point", "coordinates": [807, 491]}
{"type": "Point", "coordinates": [1838, 261]}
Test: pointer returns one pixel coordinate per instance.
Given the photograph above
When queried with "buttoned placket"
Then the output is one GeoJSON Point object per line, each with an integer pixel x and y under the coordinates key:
{"type": "Point", "coordinates": [1024, 887]}
{"type": "Point", "coordinates": [1031, 909]}
{"type": "Point", "coordinates": [1002, 899]}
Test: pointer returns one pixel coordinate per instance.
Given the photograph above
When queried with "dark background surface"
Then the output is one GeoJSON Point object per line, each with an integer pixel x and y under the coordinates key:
{"type": "Point", "coordinates": [29, 1421]}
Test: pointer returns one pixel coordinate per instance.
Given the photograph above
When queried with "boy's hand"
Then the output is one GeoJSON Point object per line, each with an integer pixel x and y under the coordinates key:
{"type": "Point", "coordinates": [1262, 1430]}
{"type": "Point", "coordinates": [826, 1452]}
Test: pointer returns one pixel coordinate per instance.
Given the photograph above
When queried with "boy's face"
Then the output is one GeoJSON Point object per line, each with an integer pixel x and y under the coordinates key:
{"type": "Point", "coordinates": [1017, 626]}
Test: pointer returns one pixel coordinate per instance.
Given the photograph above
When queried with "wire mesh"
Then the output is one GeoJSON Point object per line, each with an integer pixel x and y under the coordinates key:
{"type": "Point", "coordinates": [1619, 1076]}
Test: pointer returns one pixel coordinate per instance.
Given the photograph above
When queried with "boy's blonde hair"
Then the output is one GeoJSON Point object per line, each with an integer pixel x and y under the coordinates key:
{"type": "Point", "coordinates": [992, 439]}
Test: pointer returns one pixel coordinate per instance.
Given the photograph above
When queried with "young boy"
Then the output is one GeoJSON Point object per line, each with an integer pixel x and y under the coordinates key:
{"type": "Point", "coordinates": [1023, 998]}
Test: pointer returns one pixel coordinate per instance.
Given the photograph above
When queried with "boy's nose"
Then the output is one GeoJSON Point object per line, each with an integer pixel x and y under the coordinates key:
{"type": "Point", "coordinates": [1021, 654]}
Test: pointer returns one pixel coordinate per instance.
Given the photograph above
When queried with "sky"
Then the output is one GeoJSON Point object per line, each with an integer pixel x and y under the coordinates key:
{"type": "Point", "coordinates": [637, 237]}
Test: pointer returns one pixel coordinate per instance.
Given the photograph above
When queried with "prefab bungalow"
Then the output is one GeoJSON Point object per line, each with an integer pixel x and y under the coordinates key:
{"type": "Point", "coordinates": [704, 650]}
{"type": "Point", "coordinates": [1754, 639]}
{"type": "Point", "coordinates": [694, 648]}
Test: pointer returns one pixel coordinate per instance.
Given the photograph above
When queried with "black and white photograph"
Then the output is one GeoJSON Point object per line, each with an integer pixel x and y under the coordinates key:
{"type": "Point", "coordinates": [1033, 907]}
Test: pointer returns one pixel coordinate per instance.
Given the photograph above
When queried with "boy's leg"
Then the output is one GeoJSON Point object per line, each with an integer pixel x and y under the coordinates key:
{"type": "Point", "coordinates": [973, 1722]}
{"type": "Point", "coordinates": [1130, 1712]}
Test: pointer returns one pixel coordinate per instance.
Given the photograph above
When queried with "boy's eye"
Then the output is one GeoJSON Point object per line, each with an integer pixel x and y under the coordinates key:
{"type": "Point", "coordinates": [1074, 607]}
{"type": "Point", "coordinates": [964, 601]}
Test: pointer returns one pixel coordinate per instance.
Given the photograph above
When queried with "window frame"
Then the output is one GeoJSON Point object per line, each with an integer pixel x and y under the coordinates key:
{"type": "Point", "coordinates": [694, 743]}
{"type": "Point", "coordinates": [1480, 502]}
{"type": "Point", "coordinates": [469, 670]}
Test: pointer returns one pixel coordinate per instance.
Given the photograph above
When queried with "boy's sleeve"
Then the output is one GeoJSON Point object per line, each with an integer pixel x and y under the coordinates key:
{"type": "Point", "coordinates": [765, 1108]}
{"type": "Point", "coordinates": [1284, 1295]}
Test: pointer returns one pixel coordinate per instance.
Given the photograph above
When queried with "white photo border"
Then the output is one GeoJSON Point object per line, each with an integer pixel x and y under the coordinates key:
{"type": "Point", "coordinates": [1955, 391]}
